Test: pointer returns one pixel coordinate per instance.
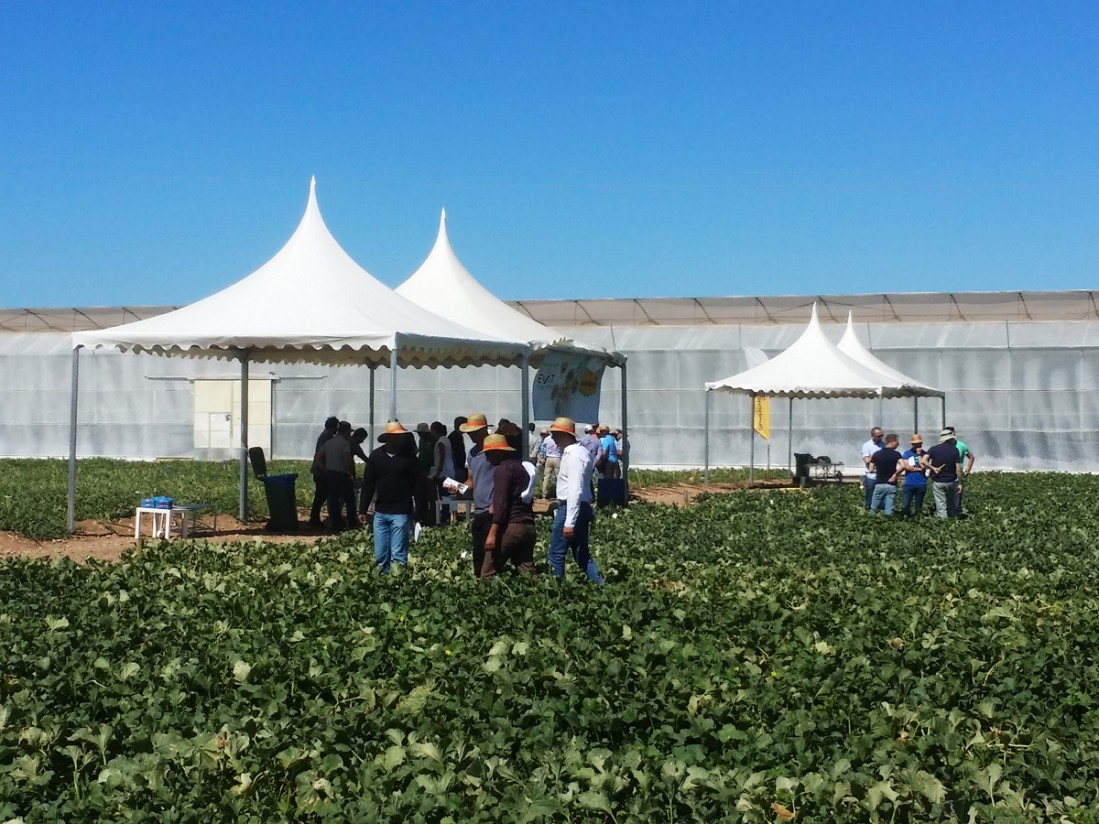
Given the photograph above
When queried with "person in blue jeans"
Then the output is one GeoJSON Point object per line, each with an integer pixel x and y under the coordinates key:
{"type": "Point", "coordinates": [888, 467]}
{"type": "Point", "coordinates": [389, 479]}
{"type": "Point", "coordinates": [572, 522]}
{"type": "Point", "coordinates": [915, 479]}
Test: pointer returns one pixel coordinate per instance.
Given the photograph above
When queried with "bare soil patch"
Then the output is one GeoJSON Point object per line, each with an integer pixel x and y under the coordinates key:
{"type": "Point", "coordinates": [106, 541]}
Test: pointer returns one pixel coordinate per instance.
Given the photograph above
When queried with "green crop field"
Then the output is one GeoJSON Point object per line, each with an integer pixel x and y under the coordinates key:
{"type": "Point", "coordinates": [757, 657]}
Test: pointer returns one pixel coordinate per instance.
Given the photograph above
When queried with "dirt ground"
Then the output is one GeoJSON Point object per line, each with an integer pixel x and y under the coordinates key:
{"type": "Point", "coordinates": [105, 541]}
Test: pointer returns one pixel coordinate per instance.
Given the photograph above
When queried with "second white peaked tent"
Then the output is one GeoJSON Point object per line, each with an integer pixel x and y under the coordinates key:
{"type": "Point", "coordinates": [444, 285]}
{"type": "Point", "coordinates": [814, 367]}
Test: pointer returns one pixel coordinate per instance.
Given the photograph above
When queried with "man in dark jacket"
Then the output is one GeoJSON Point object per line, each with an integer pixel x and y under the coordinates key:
{"type": "Point", "coordinates": [320, 482]}
{"type": "Point", "coordinates": [946, 472]}
{"type": "Point", "coordinates": [390, 476]}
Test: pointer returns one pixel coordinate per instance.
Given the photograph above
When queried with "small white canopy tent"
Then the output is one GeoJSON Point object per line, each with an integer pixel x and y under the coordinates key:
{"type": "Point", "coordinates": [444, 285]}
{"type": "Point", "coordinates": [812, 367]}
{"type": "Point", "coordinates": [310, 303]}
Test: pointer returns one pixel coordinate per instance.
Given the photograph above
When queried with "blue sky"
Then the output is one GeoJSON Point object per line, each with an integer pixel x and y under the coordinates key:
{"type": "Point", "coordinates": [154, 153]}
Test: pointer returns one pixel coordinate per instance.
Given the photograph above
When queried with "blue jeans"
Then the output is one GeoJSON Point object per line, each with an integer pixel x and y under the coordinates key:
{"type": "Point", "coordinates": [912, 500]}
{"type": "Point", "coordinates": [578, 543]}
{"type": "Point", "coordinates": [868, 485]}
{"type": "Point", "coordinates": [884, 497]}
{"type": "Point", "coordinates": [391, 536]}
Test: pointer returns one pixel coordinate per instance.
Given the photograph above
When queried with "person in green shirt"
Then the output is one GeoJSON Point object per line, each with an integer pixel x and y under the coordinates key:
{"type": "Point", "coordinates": [967, 463]}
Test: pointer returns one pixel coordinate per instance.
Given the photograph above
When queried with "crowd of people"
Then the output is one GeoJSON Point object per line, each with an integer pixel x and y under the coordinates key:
{"type": "Point", "coordinates": [415, 473]}
{"type": "Point", "coordinates": [945, 466]}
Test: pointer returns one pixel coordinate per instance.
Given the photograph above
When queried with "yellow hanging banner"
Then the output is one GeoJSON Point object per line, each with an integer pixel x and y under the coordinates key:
{"type": "Point", "coordinates": [761, 416]}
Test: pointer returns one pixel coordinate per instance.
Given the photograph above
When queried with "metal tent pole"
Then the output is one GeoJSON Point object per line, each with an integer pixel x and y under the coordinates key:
{"type": "Point", "coordinates": [393, 382]}
{"type": "Point", "coordinates": [943, 412]}
{"type": "Point", "coordinates": [790, 435]}
{"type": "Point", "coordinates": [751, 439]}
{"type": "Point", "coordinates": [625, 430]}
{"type": "Point", "coordinates": [525, 416]}
{"type": "Point", "coordinates": [370, 430]}
{"type": "Point", "coordinates": [915, 414]}
{"type": "Point", "coordinates": [244, 436]}
{"type": "Point", "coordinates": [706, 440]}
{"type": "Point", "coordinates": [72, 438]}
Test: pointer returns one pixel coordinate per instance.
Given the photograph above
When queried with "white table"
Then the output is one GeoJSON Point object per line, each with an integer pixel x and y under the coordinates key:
{"type": "Point", "coordinates": [162, 519]}
{"type": "Point", "coordinates": [454, 504]}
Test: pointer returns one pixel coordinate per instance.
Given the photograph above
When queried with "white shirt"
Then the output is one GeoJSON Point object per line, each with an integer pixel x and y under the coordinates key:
{"type": "Point", "coordinates": [867, 451]}
{"type": "Point", "coordinates": [574, 481]}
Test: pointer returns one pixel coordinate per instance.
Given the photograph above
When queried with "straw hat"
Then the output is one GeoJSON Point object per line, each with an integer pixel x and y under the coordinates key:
{"type": "Point", "coordinates": [946, 435]}
{"type": "Point", "coordinates": [392, 429]}
{"type": "Point", "coordinates": [496, 442]}
{"type": "Point", "coordinates": [474, 422]}
{"type": "Point", "coordinates": [916, 439]}
{"type": "Point", "coordinates": [566, 425]}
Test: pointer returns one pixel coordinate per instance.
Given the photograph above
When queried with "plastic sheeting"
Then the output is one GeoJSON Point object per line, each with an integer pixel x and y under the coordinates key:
{"type": "Point", "coordinates": [1023, 395]}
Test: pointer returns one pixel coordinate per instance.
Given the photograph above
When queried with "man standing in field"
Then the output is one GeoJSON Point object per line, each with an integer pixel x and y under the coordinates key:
{"type": "Point", "coordinates": [888, 467]}
{"type": "Point", "coordinates": [480, 481]}
{"type": "Point", "coordinates": [945, 465]}
{"type": "Point", "coordinates": [391, 474]}
{"type": "Point", "coordinates": [320, 485]}
{"type": "Point", "coordinates": [967, 463]}
{"type": "Point", "coordinates": [867, 451]}
{"type": "Point", "coordinates": [574, 515]}
{"type": "Point", "coordinates": [550, 465]}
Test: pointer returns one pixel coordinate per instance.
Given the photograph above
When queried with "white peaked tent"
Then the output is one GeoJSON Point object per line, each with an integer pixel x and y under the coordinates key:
{"type": "Point", "coordinates": [444, 285]}
{"type": "Point", "coordinates": [814, 367]}
{"type": "Point", "coordinates": [310, 303]}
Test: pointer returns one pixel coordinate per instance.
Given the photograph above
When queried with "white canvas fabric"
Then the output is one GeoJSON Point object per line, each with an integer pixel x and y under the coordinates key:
{"type": "Point", "coordinates": [813, 367]}
{"type": "Point", "coordinates": [851, 346]}
{"type": "Point", "coordinates": [444, 286]}
{"type": "Point", "coordinates": [310, 303]}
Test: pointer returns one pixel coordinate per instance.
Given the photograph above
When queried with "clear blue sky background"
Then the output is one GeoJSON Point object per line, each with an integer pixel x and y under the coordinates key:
{"type": "Point", "coordinates": [153, 153]}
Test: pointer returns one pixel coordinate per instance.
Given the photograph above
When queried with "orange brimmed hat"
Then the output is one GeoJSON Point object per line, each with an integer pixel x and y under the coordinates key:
{"type": "Point", "coordinates": [566, 425]}
{"type": "Point", "coordinates": [474, 422]}
{"type": "Point", "coordinates": [392, 430]}
{"type": "Point", "coordinates": [496, 442]}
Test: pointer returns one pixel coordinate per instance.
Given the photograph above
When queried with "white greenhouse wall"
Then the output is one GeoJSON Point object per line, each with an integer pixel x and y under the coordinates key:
{"type": "Point", "coordinates": [1024, 395]}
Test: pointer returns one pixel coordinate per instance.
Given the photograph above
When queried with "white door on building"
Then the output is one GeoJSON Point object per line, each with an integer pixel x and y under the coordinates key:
{"type": "Point", "coordinates": [217, 414]}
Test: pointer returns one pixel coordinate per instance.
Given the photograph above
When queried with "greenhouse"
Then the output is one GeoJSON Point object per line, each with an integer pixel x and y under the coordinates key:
{"type": "Point", "coordinates": [1018, 371]}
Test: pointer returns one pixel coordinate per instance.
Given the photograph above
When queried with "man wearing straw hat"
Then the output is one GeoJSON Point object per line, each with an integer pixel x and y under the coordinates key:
{"type": "Point", "coordinates": [574, 513]}
{"type": "Point", "coordinates": [945, 465]}
{"type": "Point", "coordinates": [391, 475]}
{"type": "Point", "coordinates": [480, 480]}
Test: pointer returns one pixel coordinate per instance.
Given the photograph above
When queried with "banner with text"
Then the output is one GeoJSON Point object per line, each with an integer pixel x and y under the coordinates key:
{"type": "Point", "coordinates": [567, 384]}
{"type": "Point", "coordinates": [761, 416]}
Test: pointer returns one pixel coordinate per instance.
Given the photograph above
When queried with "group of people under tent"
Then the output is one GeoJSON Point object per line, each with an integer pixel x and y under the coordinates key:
{"type": "Point", "coordinates": [944, 466]}
{"type": "Point", "coordinates": [608, 448]}
{"type": "Point", "coordinates": [401, 480]}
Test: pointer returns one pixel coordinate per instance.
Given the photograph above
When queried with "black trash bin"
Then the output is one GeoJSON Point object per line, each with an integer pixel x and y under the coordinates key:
{"type": "Point", "coordinates": [801, 467]}
{"type": "Point", "coordinates": [282, 504]}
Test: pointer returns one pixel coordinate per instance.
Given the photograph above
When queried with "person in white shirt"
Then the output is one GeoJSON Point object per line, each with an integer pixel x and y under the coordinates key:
{"type": "Point", "coordinates": [551, 464]}
{"type": "Point", "coordinates": [574, 515]}
{"type": "Point", "coordinates": [867, 452]}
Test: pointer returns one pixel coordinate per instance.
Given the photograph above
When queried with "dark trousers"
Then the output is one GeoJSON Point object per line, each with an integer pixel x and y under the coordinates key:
{"type": "Point", "coordinates": [479, 527]}
{"type": "Point", "coordinates": [320, 497]}
{"type": "Point", "coordinates": [515, 543]}
{"type": "Point", "coordinates": [341, 499]}
{"type": "Point", "coordinates": [912, 500]}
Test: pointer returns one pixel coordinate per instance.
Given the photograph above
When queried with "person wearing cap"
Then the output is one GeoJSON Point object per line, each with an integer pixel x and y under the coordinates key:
{"type": "Point", "coordinates": [967, 462]}
{"type": "Point", "coordinates": [511, 534]}
{"type": "Point", "coordinates": [888, 469]}
{"type": "Point", "coordinates": [480, 481]}
{"type": "Point", "coordinates": [320, 483]}
{"type": "Point", "coordinates": [572, 521]}
{"type": "Point", "coordinates": [607, 462]}
{"type": "Point", "coordinates": [590, 441]}
{"type": "Point", "coordinates": [945, 470]}
{"type": "Point", "coordinates": [390, 478]}
{"type": "Point", "coordinates": [551, 463]}
{"type": "Point", "coordinates": [915, 479]}
{"type": "Point", "coordinates": [867, 451]}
